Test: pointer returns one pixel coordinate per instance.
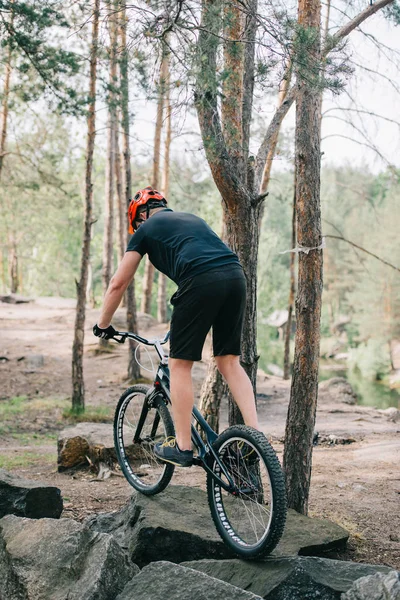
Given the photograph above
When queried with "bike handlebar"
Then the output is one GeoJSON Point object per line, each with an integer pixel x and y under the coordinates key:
{"type": "Point", "coordinates": [133, 336]}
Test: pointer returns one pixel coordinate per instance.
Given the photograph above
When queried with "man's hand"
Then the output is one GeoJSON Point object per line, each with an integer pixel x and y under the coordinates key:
{"type": "Point", "coordinates": [105, 334]}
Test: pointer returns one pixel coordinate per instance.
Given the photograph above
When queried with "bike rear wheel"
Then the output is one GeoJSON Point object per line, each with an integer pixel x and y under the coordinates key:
{"type": "Point", "coordinates": [137, 427]}
{"type": "Point", "coordinates": [251, 517]}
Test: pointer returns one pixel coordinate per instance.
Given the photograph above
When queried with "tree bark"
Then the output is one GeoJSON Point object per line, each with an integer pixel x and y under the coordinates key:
{"type": "Point", "coordinates": [149, 268]}
{"type": "Point", "coordinates": [110, 163]}
{"type": "Point", "coordinates": [232, 88]}
{"type": "Point", "coordinates": [13, 269]}
{"type": "Point", "coordinates": [6, 94]}
{"type": "Point", "coordinates": [286, 359]}
{"type": "Point", "coordinates": [162, 280]}
{"type": "Point", "coordinates": [250, 32]}
{"type": "Point", "coordinates": [120, 198]}
{"type": "Point", "coordinates": [304, 390]}
{"type": "Point", "coordinates": [78, 387]}
{"type": "Point", "coordinates": [131, 313]}
{"type": "Point", "coordinates": [225, 157]}
{"type": "Point", "coordinates": [213, 390]}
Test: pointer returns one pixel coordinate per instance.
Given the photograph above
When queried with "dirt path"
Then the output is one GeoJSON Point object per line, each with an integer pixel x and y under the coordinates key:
{"type": "Point", "coordinates": [356, 485]}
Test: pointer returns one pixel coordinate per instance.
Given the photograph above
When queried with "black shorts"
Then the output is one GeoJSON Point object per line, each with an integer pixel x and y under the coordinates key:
{"type": "Point", "coordinates": [214, 299]}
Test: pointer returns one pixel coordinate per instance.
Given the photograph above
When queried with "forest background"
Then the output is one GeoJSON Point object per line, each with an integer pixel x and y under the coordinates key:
{"type": "Point", "coordinates": [42, 182]}
{"type": "Point", "coordinates": [109, 65]}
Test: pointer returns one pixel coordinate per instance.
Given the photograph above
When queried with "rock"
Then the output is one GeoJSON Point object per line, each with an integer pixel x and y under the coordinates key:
{"type": "Point", "coordinates": [34, 362]}
{"type": "Point", "coordinates": [275, 370]}
{"type": "Point", "coordinates": [379, 586]}
{"type": "Point", "coordinates": [14, 299]}
{"type": "Point", "coordinates": [289, 578]}
{"type": "Point", "coordinates": [162, 580]}
{"type": "Point", "coordinates": [177, 526]}
{"type": "Point", "coordinates": [394, 379]}
{"type": "Point", "coordinates": [174, 526]}
{"type": "Point", "coordinates": [31, 499]}
{"type": "Point", "coordinates": [309, 536]}
{"type": "Point", "coordinates": [392, 414]}
{"type": "Point", "coordinates": [336, 389]}
{"type": "Point", "coordinates": [85, 443]}
{"type": "Point", "coordinates": [55, 560]}
{"type": "Point", "coordinates": [395, 354]}
{"type": "Point", "coordinates": [333, 440]}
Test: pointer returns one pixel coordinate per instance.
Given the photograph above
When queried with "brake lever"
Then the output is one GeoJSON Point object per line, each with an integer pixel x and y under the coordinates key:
{"type": "Point", "coordinates": [121, 340]}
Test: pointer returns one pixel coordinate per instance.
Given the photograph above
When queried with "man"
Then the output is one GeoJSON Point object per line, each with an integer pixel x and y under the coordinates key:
{"type": "Point", "coordinates": [211, 293]}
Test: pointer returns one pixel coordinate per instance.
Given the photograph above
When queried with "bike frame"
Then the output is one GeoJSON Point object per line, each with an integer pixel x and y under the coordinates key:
{"type": "Point", "coordinates": [161, 386]}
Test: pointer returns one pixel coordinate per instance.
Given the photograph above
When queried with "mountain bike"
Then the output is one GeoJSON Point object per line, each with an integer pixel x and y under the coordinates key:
{"type": "Point", "coordinates": [245, 483]}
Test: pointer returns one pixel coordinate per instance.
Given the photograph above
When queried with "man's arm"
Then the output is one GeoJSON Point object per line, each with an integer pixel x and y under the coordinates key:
{"type": "Point", "coordinates": [118, 284]}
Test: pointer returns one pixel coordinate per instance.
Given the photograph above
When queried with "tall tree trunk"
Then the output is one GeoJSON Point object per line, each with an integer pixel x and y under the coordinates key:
{"type": "Point", "coordinates": [238, 189]}
{"type": "Point", "coordinates": [249, 34]}
{"type": "Point", "coordinates": [241, 226]}
{"type": "Point", "coordinates": [292, 291]}
{"type": "Point", "coordinates": [162, 280]}
{"type": "Point", "coordinates": [110, 162]}
{"type": "Point", "coordinates": [120, 199]}
{"type": "Point", "coordinates": [214, 387]}
{"type": "Point", "coordinates": [13, 269]}
{"type": "Point", "coordinates": [78, 387]}
{"type": "Point", "coordinates": [304, 390]}
{"type": "Point", "coordinates": [149, 268]}
{"type": "Point", "coordinates": [213, 390]}
{"type": "Point", "coordinates": [131, 313]}
{"type": "Point", "coordinates": [6, 94]}
{"type": "Point", "coordinates": [12, 253]}
{"type": "Point", "coordinates": [232, 127]}
{"type": "Point", "coordinates": [224, 141]}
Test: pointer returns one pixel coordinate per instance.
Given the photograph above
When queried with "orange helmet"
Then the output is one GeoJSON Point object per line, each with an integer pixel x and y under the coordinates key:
{"type": "Point", "coordinates": [144, 197]}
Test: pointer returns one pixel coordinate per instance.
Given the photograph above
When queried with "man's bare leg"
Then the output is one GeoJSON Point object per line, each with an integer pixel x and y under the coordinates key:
{"type": "Point", "coordinates": [240, 385]}
{"type": "Point", "coordinates": [182, 400]}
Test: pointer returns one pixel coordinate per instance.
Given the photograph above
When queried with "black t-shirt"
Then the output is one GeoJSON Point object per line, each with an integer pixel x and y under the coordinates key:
{"type": "Point", "coordinates": [181, 245]}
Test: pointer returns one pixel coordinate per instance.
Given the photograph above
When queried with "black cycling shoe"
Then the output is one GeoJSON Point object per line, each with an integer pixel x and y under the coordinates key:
{"type": "Point", "coordinates": [169, 451]}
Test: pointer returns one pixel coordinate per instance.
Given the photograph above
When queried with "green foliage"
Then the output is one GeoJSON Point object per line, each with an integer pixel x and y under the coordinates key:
{"type": "Point", "coordinates": [392, 12]}
{"type": "Point", "coordinates": [33, 32]}
{"type": "Point", "coordinates": [371, 359]}
{"type": "Point", "coordinates": [320, 73]}
{"type": "Point", "coordinates": [41, 207]}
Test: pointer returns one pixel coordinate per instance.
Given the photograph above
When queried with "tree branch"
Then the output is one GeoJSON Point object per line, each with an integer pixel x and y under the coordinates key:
{"type": "Point", "coordinates": [382, 260]}
{"type": "Point", "coordinates": [354, 23]}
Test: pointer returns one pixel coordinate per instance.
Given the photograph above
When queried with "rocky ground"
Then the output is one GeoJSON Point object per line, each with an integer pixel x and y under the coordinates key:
{"type": "Point", "coordinates": [356, 484]}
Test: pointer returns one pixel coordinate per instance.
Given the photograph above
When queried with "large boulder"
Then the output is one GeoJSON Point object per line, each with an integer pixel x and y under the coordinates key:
{"type": "Point", "coordinates": [162, 580]}
{"type": "Point", "coordinates": [173, 526]}
{"type": "Point", "coordinates": [380, 586]}
{"type": "Point", "coordinates": [56, 560]}
{"type": "Point", "coordinates": [294, 578]}
{"type": "Point", "coordinates": [308, 536]}
{"type": "Point", "coordinates": [31, 499]}
{"type": "Point", "coordinates": [337, 389]}
{"type": "Point", "coordinates": [177, 526]}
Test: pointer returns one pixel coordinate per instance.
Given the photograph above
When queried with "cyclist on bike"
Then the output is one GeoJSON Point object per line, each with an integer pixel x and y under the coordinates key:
{"type": "Point", "coordinates": [211, 293]}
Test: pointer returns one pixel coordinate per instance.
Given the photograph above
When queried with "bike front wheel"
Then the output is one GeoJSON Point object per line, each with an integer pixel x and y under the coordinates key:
{"type": "Point", "coordinates": [137, 427]}
{"type": "Point", "coordinates": [250, 517]}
